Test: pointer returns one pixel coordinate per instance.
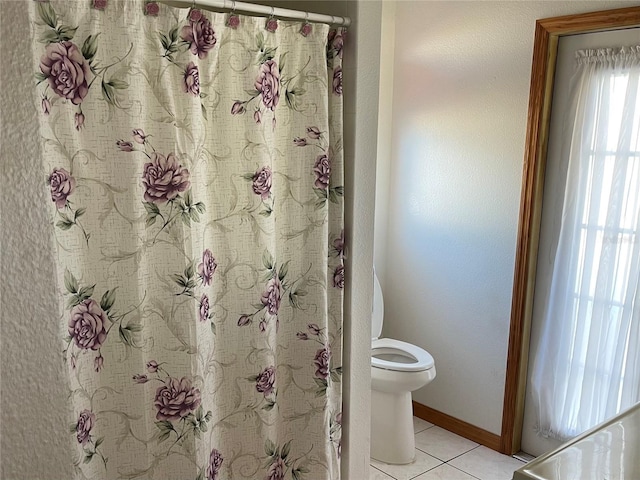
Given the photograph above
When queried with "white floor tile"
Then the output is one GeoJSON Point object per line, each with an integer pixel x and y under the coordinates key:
{"type": "Point", "coordinates": [442, 444]}
{"type": "Point", "coordinates": [421, 464]}
{"type": "Point", "coordinates": [420, 425]}
{"type": "Point", "coordinates": [445, 472]}
{"type": "Point", "coordinates": [375, 474]}
{"type": "Point", "coordinates": [487, 464]}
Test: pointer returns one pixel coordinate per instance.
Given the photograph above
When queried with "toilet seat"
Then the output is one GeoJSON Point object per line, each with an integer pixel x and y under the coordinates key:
{"type": "Point", "coordinates": [418, 358]}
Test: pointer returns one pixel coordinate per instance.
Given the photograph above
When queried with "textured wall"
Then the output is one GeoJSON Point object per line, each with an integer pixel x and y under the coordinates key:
{"type": "Point", "coordinates": [461, 91]}
{"type": "Point", "coordinates": [34, 422]}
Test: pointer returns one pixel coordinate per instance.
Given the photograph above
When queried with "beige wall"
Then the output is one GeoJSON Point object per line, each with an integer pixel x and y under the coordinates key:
{"type": "Point", "coordinates": [362, 74]}
{"type": "Point", "coordinates": [33, 422]}
{"type": "Point", "coordinates": [460, 94]}
{"type": "Point", "coordinates": [385, 137]}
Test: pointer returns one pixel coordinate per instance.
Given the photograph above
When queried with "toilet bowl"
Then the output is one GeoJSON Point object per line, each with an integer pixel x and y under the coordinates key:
{"type": "Point", "coordinates": [397, 369]}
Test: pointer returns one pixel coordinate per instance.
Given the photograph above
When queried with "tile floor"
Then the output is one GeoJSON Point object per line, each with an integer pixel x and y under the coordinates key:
{"type": "Point", "coordinates": [442, 455]}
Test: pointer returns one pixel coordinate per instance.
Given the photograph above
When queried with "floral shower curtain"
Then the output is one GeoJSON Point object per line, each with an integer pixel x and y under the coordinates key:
{"type": "Point", "coordinates": [194, 162]}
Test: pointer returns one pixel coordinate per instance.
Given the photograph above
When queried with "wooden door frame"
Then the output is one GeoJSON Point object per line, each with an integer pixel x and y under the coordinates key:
{"type": "Point", "coordinates": [547, 33]}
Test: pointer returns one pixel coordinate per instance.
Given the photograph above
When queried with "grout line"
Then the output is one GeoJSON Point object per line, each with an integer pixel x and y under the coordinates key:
{"type": "Point", "coordinates": [443, 462]}
{"type": "Point", "coordinates": [423, 430]}
{"type": "Point", "coordinates": [382, 471]}
{"type": "Point", "coordinates": [432, 455]}
{"type": "Point", "coordinates": [432, 468]}
{"type": "Point", "coordinates": [452, 458]}
{"type": "Point", "coordinates": [464, 453]}
{"type": "Point", "coordinates": [467, 473]}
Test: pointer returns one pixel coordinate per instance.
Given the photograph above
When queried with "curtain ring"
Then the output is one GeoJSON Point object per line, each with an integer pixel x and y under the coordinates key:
{"type": "Point", "coordinates": [273, 10]}
{"type": "Point", "coordinates": [233, 6]}
{"type": "Point", "coordinates": [333, 20]}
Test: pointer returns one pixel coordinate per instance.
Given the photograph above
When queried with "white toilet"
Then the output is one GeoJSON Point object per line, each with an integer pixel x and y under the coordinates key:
{"type": "Point", "coordinates": [397, 369]}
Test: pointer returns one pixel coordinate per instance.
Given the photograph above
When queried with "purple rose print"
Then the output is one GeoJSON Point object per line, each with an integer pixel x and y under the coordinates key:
{"type": "Point", "coordinates": [191, 82]}
{"type": "Point", "coordinates": [233, 21]}
{"type": "Point", "coordinates": [195, 15]}
{"type": "Point", "coordinates": [322, 170]}
{"type": "Point", "coordinates": [152, 9]}
{"type": "Point", "coordinates": [207, 267]}
{"type": "Point", "coordinates": [276, 470]}
{"type": "Point", "coordinates": [98, 363]}
{"type": "Point", "coordinates": [305, 29]}
{"type": "Point", "coordinates": [265, 381]}
{"type": "Point", "coordinates": [300, 142]}
{"type": "Point", "coordinates": [244, 320]}
{"type": "Point", "coordinates": [268, 84]}
{"type": "Point", "coordinates": [338, 277]}
{"type": "Point", "coordinates": [86, 421]}
{"type": "Point", "coordinates": [164, 178]}
{"type": "Point", "coordinates": [139, 136]}
{"type": "Point", "coordinates": [46, 105]}
{"type": "Point", "coordinates": [79, 121]}
{"type": "Point", "coordinates": [199, 34]}
{"type": "Point", "coordinates": [262, 182]}
{"type": "Point", "coordinates": [204, 308]}
{"type": "Point", "coordinates": [257, 116]}
{"type": "Point", "coordinates": [125, 146]}
{"type": "Point", "coordinates": [271, 25]}
{"type": "Point", "coordinates": [321, 362]}
{"type": "Point", "coordinates": [237, 108]}
{"type": "Point", "coordinates": [215, 462]}
{"type": "Point", "coordinates": [262, 326]}
{"type": "Point", "coordinates": [271, 296]}
{"type": "Point", "coordinates": [140, 378]}
{"type": "Point", "coordinates": [67, 70]}
{"type": "Point", "coordinates": [62, 185]}
{"type": "Point", "coordinates": [337, 81]}
{"type": "Point", "coordinates": [176, 399]}
{"type": "Point", "coordinates": [88, 325]}
{"type": "Point", "coordinates": [99, 4]}
{"type": "Point", "coordinates": [314, 132]}
{"type": "Point", "coordinates": [302, 336]}
{"type": "Point", "coordinates": [152, 366]}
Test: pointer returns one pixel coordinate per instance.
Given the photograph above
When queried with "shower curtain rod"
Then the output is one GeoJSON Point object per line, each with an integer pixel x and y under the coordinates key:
{"type": "Point", "coordinates": [275, 11]}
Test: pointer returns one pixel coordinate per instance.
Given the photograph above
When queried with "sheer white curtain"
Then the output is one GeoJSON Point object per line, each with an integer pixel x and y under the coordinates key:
{"type": "Point", "coordinates": [588, 367]}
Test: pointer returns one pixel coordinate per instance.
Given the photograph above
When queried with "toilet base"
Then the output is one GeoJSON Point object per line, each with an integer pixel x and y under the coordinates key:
{"type": "Point", "coordinates": [392, 436]}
